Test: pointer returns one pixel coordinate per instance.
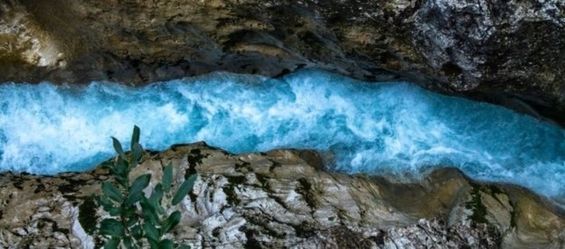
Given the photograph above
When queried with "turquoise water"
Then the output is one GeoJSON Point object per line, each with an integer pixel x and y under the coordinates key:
{"type": "Point", "coordinates": [388, 128]}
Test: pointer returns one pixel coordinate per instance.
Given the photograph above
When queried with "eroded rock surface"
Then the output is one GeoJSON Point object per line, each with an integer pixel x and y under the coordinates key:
{"type": "Point", "coordinates": [284, 199]}
{"type": "Point", "coordinates": [509, 52]}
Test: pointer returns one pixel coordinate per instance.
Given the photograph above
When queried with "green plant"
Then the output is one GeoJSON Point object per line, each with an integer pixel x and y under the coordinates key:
{"type": "Point", "coordinates": [138, 221]}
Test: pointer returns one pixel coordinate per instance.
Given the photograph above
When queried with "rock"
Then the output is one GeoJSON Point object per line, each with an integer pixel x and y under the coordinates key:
{"type": "Point", "coordinates": [507, 52]}
{"type": "Point", "coordinates": [283, 198]}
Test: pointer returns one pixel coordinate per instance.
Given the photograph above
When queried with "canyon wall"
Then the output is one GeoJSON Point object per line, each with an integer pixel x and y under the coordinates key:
{"type": "Point", "coordinates": [508, 52]}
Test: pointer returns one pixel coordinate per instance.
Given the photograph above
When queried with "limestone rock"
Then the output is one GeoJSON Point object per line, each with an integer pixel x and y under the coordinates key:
{"type": "Point", "coordinates": [284, 198]}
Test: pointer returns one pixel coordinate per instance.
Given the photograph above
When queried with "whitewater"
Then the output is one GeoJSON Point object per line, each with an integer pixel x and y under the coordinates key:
{"type": "Point", "coordinates": [387, 128]}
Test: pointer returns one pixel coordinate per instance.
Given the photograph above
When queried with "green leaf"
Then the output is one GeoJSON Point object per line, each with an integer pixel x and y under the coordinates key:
{"type": "Point", "coordinates": [128, 242]}
{"type": "Point", "coordinates": [137, 231]}
{"type": "Point", "coordinates": [149, 204]}
{"type": "Point", "coordinates": [107, 165]}
{"type": "Point", "coordinates": [157, 193]}
{"type": "Point", "coordinates": [118, 148]}
{"type": "Point", "coordinates": [171, 221]}
{"type": "Point", "coordinates": [112, 243]}
{"type": "Point", "coordinates": [133, 198]}
{"type": "Point", "coordinates": [149, 212]}
{"type": "Point", "coordinates": [140, 183]}
{"type": "Point", "coordinates": [167, 177]}
{"type": "Point", "coordinates": [184, 188]}
{"type": "Point", "coordinates": [108, 205]}
{"type": "Point", "coordinates": [128, 212]}
{"type": "Point", "coordinates": [151, 232]}
{"type": "Point", "coordinates": [114, 211]}
{"type": "Point", "coordinates": [166, 244]}
{"type": "Point", "coordinates": [121, 168]}
{"type": "Point", "coordinates": [183, 247]}
{"type": "Point", "coordinates": [131, 221]}
{"type": "Point", "coordinates": [111, 191]}
{"type": "Point", "coordinates": [154, 205]}
{"type": "Point", "coordinates": [135, 191]}
{"type": "Point", "coordinates": [105, 202]}
{"type": "Point", "coordinates": [112, 228]}
{"type": "Point", "coordinates": [135, 136]}
{"type": "Point", "coordinates": [156, 197]}
{"type": "Point", "coordinates": [122, 181]}
{"type": "Point", "coordinates": [136, 153]}
{"type": "Point", "coordinates": [153, 244]}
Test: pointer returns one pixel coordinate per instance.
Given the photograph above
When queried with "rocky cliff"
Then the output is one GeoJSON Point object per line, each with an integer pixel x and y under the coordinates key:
{"type": "Point", "coordinates": [284, 199]}
{"type": "Point", "coordinates": [508, 52]}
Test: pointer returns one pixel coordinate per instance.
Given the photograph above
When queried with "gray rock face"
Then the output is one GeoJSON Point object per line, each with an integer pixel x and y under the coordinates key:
{"type": "Point", "coordinates": [283, 199]}
{"type": "Point", "coordinates": [508, 52]}
{"type": "Point", "coordinates": [502, 46]}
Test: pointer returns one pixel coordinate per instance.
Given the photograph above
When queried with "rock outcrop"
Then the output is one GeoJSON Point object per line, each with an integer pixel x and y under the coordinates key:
{"type": "Point", "coordinates": [284, 199]}
{"type": "Point", "coordinates": [508, 52]}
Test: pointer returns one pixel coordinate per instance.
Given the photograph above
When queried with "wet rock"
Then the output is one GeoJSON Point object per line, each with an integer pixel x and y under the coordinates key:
{"type": "Point", "coordinates": [508, 52]}
{"type": "Point", "coordinates": [282, 198]}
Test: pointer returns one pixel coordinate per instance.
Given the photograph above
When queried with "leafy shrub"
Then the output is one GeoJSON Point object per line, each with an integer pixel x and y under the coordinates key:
{"type": "Point", "coordinates": [137, 221]}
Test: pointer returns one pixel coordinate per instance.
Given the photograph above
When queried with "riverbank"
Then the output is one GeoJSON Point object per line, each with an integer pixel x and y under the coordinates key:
{"type": "Point", "coordinates": [284, 198]}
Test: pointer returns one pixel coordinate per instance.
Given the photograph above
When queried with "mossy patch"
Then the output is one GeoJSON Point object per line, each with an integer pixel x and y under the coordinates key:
{"type": "Point", "coordinates": [479, 216]}
{"type": "Point", "coordinates": [71, 186]}
{"type": "Point", "coordinates": [232, 198]}
{"type": "Point", "coordinates": [87, 215]}
{"type": "Point", "coordinates": [251, 242]}
{"type": "Point", "coordinates": [194, 158]}
{"type": "Point", "coordinates": [43, 223]}
{"type": "Point", "coordinates": [264, 180]}
{"type": "Point", "coordinates": [237, 180]}
{"type": "Point", "coordinates": [477, 206]}
{"type": "Point", "coordinates": [261, 224]}
{"type": "Point", "coordinates": [39, 188]}
{"type": "Point", "coordinates": [229, 189]}
{"type": "Point", "coordinates": [304, 230]}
